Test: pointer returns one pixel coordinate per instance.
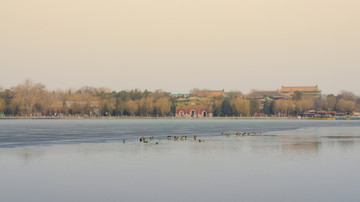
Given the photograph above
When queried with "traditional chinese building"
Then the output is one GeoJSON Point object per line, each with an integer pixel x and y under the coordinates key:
{"type": "Point", "coordinates": [180, 95]}
{"type": "Point", "coordinates": [193, 107]}
{"type": "Point", "coordinates": [261, 94]}
{"type": "Point", "coordinates": [266, 98]}
{"type": "Point", "coordinates": [210, 93]}
{"type": "Point", "coordinates": [305, 90]}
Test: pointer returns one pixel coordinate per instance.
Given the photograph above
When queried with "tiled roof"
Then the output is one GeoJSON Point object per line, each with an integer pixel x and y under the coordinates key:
{"type": "Point", "coordinates": [299, 88]}
{"type": "Point", "coordinates": [210, 93]}
{"type": "Point", "coordinates": [261, 94]}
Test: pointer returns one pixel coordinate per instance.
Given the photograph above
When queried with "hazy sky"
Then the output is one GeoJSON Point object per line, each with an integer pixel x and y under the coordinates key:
{"type": "Point", "coordinates": [177, 45]}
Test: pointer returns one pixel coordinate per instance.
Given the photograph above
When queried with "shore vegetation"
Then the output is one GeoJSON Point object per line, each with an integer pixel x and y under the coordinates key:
{"type": "Point", "coordinates": [30, 99]}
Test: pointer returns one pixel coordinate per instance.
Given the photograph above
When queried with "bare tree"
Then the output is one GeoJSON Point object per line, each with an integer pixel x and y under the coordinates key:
{"type": "Point", "coordinates": [346, 106]}
{"type": "Point", "coordinates": [146, 106]}
{"type": "Point", "coordinates": [163, 106]}
{"type": "Point", "coordinates": [304, 105]}
{"type": "Point", "coordinates": [284, 107]}
{"type": "Point", "coordinates": [240, 106]}
{"type": "Point", "coordinates": [131, 107]}
{"type": "Point", "coordinates": [26, 95]}
{"type": "Point", "coordinates": [2, 105]}
{"type": "Point", "coordinates": [347, 95]}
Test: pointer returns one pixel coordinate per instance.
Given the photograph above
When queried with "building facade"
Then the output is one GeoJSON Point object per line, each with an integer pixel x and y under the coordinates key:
{"type": "Point", "coordinates": [193, 107]}
{"type": "Point", "coordinates": [304, 90]}
{"type": "Point", "coordinates": [261, 94]}
{"type": "Point", "coordinates": [266, 99]}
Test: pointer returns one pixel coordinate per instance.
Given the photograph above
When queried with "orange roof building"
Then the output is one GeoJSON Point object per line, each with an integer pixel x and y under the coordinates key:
{"type": "Point", "coordinates": [209, 93]}
{"type": "Point", "coordinates": [260, 94]}
{"type": "Point", "coordinates": [306, 90]}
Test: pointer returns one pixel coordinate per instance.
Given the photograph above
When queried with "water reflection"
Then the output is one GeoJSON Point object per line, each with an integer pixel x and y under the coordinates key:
{"type": "Point", "coordinates": [29, 154]}
{"type": "Point", "coordinates": [304, 147]}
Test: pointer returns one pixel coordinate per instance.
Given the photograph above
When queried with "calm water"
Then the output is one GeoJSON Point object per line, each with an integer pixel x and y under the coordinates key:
{"type": "Point", "coordinates": [86, 160]}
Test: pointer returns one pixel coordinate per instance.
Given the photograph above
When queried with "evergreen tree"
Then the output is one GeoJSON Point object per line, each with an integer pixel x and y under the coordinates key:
{"type": "Point", "coordinates": [226, 108]}
{"type": "Point", "coordinates": [266, 108]}
{"type": "Point", "coordinates": [272, 108]}
{"type": "Point", "coordinates": [254, 107]}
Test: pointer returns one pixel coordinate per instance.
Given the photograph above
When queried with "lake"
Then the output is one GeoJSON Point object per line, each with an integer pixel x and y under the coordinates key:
{"type": "Point", "coordinates": [86, 160]}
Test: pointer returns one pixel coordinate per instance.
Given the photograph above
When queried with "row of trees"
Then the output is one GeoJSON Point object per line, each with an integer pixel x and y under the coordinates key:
{"type": "Point", "coordinates": [345, 102]}
{"type": "Point", "coordinates": [33, 99]}
{"type": "Point", "coordinates": [243, 107]}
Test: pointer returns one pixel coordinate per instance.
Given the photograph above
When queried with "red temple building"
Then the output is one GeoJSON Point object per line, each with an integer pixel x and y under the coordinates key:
{"type": "Point", "coordinates": [193, 107]}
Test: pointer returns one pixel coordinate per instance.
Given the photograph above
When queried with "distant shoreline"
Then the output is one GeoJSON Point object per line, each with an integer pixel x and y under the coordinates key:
{"type": "Point", "coordinates": [144, 117]}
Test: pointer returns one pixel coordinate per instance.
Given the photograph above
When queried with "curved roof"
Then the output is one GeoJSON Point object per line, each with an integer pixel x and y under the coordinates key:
{"type": "Point", "coordinates": [259, 94]}
{"type": "Point", "coordinates": [299, 88]}
{"type": "Point", "coordinates": [209, 93]}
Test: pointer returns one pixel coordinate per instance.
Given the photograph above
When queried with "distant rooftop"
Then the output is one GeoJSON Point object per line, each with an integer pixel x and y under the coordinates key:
{"type": "Point", "coordinates": [209, 93]}
{"type": "Point", "coordinates": [259, 94]}
{"type": "Point", "coordinates": [180, 95]}
{"type": "Point", "coordinates": [299, 88]}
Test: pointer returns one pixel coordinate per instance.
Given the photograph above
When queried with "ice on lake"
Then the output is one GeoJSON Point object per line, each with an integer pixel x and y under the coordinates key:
{"type": "Point", "coordinates": [86, 160]}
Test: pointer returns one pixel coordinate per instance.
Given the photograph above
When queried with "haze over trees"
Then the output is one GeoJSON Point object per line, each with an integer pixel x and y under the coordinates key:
{"type": "Point", "coordinates": [33, 99]}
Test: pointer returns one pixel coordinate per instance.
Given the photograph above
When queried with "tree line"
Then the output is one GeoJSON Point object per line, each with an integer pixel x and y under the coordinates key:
{"type": "Point", "coordinates": [33, 99]}
{"type": "Point", "coordinates": [345, 102]}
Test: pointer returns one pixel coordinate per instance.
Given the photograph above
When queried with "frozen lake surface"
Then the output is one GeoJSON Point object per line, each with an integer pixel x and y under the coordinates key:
{"type": "Point", "coordinates": [86, 160]}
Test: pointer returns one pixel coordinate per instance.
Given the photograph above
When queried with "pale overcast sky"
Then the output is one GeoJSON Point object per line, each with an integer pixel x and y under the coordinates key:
{"type": "Point", "coordinates": [177, 45]}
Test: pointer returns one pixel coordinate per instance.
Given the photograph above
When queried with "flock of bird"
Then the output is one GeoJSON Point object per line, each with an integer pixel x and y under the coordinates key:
{"type": "Point", "coordinates": [242, 134]}
{"type": "Point", "coordinates": [182, 138]}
